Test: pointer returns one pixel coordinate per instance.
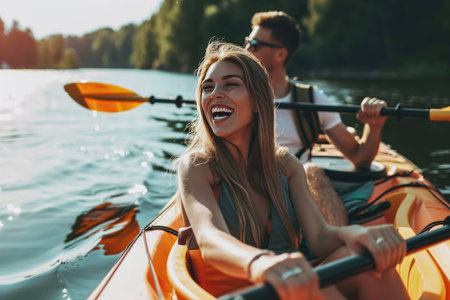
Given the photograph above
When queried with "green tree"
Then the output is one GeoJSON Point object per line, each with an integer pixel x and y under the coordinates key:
{"type": "Point", "coordinates": [69, 60]}
{"type": "Point", "coordinates": [103, 49]}
{"type": "Point", "coordinates": [123, 43]}
{"type": "Point", "coordinates": [167, 56]}
{"type": "Point", "coordinates": [351, 34]}
{"type": "Point", "coordinates": [82, 46]}
{"type": "Point", "coordinates": [145, 47]}
{"type": "Point", "coordinates": [53, 54]}
{"type": "Point", "coordinates": [57, 45]}
{"type": "Point", "coordinates": [50, 51]}
{"type": "Point", "coordinates": [43, 54]}
{"type": "Point", "coordinates": [180, 42]}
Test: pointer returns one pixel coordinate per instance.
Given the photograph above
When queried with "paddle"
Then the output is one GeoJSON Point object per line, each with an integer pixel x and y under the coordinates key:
{"type": "Point", "coordinates": [336, 271]}
{"type": "Point", "coordinates": [105, 97]}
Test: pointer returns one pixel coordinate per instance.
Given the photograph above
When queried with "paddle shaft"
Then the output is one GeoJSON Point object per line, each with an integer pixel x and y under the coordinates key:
{"type": "Point", "coordinates": [336, 271]}
{"type": "Point", "coordinates": [386, 111]}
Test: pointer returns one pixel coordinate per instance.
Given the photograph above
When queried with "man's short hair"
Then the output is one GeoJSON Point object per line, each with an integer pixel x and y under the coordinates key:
{"type": "Point", "coordinates": [285, 30]}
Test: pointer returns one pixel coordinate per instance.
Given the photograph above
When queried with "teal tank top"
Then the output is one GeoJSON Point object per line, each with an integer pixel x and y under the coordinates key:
{"type": "Point", "coordinates": [279, 241]}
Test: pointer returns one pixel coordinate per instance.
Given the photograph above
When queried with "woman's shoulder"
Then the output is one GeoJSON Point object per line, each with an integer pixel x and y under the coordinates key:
{"type": "Point", "coordinates": [194, 162]}
{"type": "Point", "coordinates": [194, 169]}
{"type": "Point", "coordinates": [289, 164]}
{"type": "Point", "coordinates": [193, 158]}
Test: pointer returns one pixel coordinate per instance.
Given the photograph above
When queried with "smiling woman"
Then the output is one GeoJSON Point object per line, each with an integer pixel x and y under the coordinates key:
{"type": "Point", "coordinates": [245, 201]}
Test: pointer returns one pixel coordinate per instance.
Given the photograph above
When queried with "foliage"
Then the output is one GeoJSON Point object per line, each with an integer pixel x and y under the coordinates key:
{"type": "Point", "coordinates": [123, 43]}
{"type": "Point", "coordinates": [370, 34]}
{"type": "Point", "coordinates": [145, 48]}
{"type": "Point", "coordinates": [50, 51]}
{"type": "Point", "coordinates": [69, 59]}
{"type": "Point", "coordinates": [393, 35]}
{"type": "Point", "coordinates": [18, 46]}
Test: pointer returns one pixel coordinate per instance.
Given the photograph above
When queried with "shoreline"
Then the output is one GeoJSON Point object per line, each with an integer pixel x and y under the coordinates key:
{"type": "Point", "coordinates": [310, 74]}
{"type": "Point", "coordinates": [379, 75]}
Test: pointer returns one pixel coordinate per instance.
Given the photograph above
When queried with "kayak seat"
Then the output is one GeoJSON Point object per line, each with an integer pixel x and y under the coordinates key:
{"type": "Point", "coordinates": [188, 272]}
{"type": "Point", "coordinates": [341, 169]}
{"type": "Point", "coordinates": [184, 286]}
{"type": "Point", "coordinates": [418, 271]}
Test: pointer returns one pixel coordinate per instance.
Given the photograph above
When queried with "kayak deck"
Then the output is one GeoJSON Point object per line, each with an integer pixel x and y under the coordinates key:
{"type": "Point", "coordinates": [414, 203]}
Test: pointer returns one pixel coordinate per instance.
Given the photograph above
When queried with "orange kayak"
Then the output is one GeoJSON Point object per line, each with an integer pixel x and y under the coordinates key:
{"type": "Point", "coordinates": [155, 266]}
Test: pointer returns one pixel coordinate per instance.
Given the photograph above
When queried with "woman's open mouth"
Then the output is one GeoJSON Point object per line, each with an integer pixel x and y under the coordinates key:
{"type": "Point", "coordinates": [221, 112]}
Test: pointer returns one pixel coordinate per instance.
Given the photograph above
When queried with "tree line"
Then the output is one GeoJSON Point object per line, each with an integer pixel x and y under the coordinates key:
{"type": "Point", "coordinates": [409, 37]}
{"type": "Point", "coordinates": [19, 50]}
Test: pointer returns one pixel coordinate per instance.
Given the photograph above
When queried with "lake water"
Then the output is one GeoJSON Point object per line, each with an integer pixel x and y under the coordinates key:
{"type": "Point", "coordinates": [76, 185]}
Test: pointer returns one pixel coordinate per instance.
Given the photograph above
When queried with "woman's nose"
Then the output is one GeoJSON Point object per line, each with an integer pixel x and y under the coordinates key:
{"type": "Point", "coordinates": [216, 92]}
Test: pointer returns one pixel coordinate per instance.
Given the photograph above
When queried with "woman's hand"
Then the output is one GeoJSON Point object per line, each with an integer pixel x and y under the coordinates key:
{"type": "Point", "coordinates": [370, 112]}
{"type": "Point", "coordinates": [290, 274]}
{"type": "Point", "coordinates": [384, 243]}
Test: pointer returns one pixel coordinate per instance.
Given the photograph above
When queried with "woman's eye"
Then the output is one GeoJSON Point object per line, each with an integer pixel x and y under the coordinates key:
{"type": "Point", "coordinates": [232, 84]}
{"type": "Point", "coordinates": [207, 87]}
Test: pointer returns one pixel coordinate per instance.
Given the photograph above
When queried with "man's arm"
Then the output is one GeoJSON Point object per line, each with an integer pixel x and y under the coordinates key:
{"type": "Point", "coordinates": [361, 152]}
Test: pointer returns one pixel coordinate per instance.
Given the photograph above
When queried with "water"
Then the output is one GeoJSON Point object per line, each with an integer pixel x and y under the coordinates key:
{"type": "Point", "coordinates": [75, 186]}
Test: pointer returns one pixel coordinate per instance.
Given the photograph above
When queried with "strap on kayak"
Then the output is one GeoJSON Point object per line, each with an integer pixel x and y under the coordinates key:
{"type": "Point", "coordinates": [431, 189]}
{"type": "Point", "coordinates": [124, 254]}
{"type": "Point", "coordinates": [373, 212]}
{"type": "Point", "coordinates": [398, 174]}
{"type": "Point", "coordinates": [152, 268]}
{"type": "Point", "coordinates": [151, 227]}
{"type": "Point", "coordinates": [446, 221]}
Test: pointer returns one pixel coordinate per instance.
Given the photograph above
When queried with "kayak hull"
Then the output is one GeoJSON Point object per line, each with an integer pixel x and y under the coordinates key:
{"type": "Point", "coordinates": [413, 205]}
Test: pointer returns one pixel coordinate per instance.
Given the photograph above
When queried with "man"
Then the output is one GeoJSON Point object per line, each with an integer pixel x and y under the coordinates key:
{"type": "Point", "coordinates": [274, 38]}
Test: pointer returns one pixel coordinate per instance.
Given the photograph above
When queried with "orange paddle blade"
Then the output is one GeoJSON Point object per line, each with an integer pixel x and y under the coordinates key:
{"type": "Point", "coordinates": [103, 97]}
{"type": "Point", "coordinates": [442, 114]}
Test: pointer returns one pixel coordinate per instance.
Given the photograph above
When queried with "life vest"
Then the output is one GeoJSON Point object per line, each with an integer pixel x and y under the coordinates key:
{"type": "Point", "coordinates": [307, 121]}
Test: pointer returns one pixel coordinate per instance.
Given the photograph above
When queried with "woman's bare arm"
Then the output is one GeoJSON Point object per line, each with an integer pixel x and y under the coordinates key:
{"type": "Point", "coordinates": [217, 245]}
{"type": "Point", "coordinates": [383, 242]}
{"type": "Point", "coordinates": [322, 238]}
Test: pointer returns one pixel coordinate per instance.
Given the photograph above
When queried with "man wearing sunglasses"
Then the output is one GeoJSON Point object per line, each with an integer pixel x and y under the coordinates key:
{"type": "Point", "coordinates": [274, 38]}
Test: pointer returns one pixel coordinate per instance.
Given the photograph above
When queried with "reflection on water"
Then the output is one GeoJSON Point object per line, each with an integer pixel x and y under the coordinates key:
{"type": "Point", "coordinates": [76, 186]}
{"type": "Point", "coordinates": [116, 222]}
{"type": "Point", "coordinates": [11, 138]}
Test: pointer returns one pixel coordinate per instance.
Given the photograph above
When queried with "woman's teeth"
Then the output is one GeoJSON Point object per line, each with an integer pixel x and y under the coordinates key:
{"type": "Point", "coordinates": [219, 113]}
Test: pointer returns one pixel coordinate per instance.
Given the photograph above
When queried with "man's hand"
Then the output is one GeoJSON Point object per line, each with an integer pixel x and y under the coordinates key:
{"type": "Point", "coordinates": [370, 112]}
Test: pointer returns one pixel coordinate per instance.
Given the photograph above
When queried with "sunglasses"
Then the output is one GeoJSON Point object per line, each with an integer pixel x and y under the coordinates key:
{"type": "Point", "coordinates": [255, 43]}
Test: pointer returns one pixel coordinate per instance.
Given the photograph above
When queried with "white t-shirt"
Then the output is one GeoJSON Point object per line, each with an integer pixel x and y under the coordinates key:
{"type": "Point", "coordinates": [286, 129]}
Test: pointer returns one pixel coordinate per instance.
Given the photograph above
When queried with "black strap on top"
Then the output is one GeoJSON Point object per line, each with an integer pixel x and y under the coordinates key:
{"type": "Point", "coordinates": [163, 228]}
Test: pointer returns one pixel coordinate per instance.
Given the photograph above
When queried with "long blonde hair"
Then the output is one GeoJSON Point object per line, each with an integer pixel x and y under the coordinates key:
{"type": "Point", "coordinates": [264, 159]}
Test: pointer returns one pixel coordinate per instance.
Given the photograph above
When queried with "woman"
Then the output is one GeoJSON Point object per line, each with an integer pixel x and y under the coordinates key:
{"type": "Point", "coordinates": [241, 193]}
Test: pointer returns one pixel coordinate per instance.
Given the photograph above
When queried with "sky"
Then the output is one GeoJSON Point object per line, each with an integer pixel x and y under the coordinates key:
{"type": "Point", "coordinates": [76, 17]}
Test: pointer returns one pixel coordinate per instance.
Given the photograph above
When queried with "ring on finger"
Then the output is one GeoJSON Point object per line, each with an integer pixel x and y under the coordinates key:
{"type": "Point", "coordinates": [379, 240]}
{"type": "Point", "coordinates": [291, 272]}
